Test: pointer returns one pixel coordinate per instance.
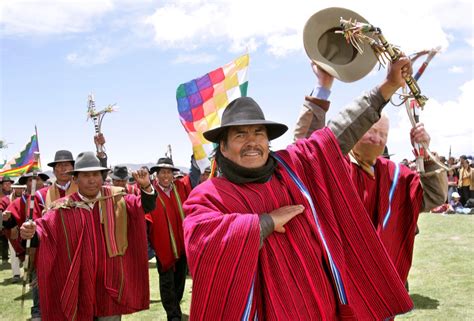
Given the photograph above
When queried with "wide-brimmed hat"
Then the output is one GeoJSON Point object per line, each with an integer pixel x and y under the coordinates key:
{"type": "Point", "coordinates": [87, 162]}
{"type": "Point", "coordinates": [62, 156]}
{"type": "Point", "coordinates": [331, 51]}
{"type": "Point", "coordinates": [4, 179]}
{"type": "Point", "coordinates": [164, 162]}
{"type": "Point", "coordinates": [24, 178]}
{"type": "Point", "coordinates": [244, 111]}
{"type": "Point", "coordinates": [120, 173]}
{"type": "Point", "coordinates": [455, 195]}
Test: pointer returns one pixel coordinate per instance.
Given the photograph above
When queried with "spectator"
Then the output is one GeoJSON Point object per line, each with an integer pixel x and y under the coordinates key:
{"type": "Point", "coordinates": [466, 180]}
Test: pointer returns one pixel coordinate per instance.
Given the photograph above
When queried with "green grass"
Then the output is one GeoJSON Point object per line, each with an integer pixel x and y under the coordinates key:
{"type": "Point", "coordinates": [441, 279]}
{"type": "Point", "coordinates": [442, 275]}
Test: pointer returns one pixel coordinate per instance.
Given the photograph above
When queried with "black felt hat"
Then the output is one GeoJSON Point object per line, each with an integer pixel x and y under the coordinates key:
{"type": "Point", "coordinates": [244, 111]}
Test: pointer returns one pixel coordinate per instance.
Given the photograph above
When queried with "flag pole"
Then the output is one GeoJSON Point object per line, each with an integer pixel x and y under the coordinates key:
{"type": "Point", "coordinates": [27, 265]}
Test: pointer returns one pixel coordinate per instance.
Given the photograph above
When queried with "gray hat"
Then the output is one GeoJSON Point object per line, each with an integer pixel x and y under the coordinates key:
{"type": "Point", "coordinates": [120, 173]}
{"type": "Point", "coordinates": [24, 178]}
{"type": "Point", "coordinates": [244, 111]}
{"type": "Point", "coordinates": [87, 162]}
{"type": "Point", "coordinates": [4, 179]}
{"type": "Point", "coordinates": [331, 51]}
{"type": "Point", "coordinates": [164, 162]}
{"type": "Point", "coordinates": [62, 156]}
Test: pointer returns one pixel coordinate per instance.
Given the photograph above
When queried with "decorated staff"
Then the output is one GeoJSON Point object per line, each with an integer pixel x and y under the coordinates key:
{"type": "Point", "coordinates": [98, 117]}
{"type": "Point", "coordinates": [359, 33]}
{"type": "Point", "coordinates": [413, 110]}
{"type": "Point", "coordinates": [26, 264]}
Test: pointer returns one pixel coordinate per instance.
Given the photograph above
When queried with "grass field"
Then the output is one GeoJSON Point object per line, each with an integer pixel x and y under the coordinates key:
{"type": "Point", "coordinates": [441, 279]}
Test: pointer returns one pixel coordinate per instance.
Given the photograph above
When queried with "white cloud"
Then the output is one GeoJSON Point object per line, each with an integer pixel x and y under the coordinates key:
{"type": "Point", "coordinates": [94, 53]}
{"type": "Point", "coordinates": [456, 70]}
{"type": "Point", "coordinates": [39, 17]}
{"type": "Point", "coordinates": [278, 24]}
{"type": "Point", "coordinates": [202, 58]}
{"type": "Point", "coordinates": [448, 123]}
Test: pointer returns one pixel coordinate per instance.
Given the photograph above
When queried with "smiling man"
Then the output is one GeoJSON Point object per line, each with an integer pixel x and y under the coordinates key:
{"type": "Point", "coordinates": [279, 236]}
{"type": "Point", "coordinates": [166, 236]}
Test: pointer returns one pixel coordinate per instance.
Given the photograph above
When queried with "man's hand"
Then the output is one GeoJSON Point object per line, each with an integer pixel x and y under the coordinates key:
{"type": "Point", "coordinates": [28, 230]}
{"type": "Point", "coordinates": [283, 215]}
{"type": "Point", "coordinates": [142, 177]}
{"type": "Point", "coordinates": [418, 134]}
{"type": "Point", "coordinates": [396, 76]}
{"type": "Point", "coordinates": [99, 139]}
{"type": "Point", "coordinates": [325, 80]}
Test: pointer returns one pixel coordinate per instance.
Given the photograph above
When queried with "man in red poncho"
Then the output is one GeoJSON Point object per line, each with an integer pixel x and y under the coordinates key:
{"type": "Point", "coordinates": [280, 235]}
{"type": "Point", "coordinates": [166, 236]}
{"type": "Point", "coordinates": [18, 212]}
{"type": "Point", "coordinates": [92, 251]}
{"type": "Point", "coordinates": [392, 194]}
{"type": "Point", "coordinates": [63, 185]}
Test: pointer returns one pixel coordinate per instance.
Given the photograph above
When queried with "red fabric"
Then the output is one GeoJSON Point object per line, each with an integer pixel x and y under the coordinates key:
{"type": "Point", "coordinates": [20, 210]}
{"type": "Point", "coordinates": [133, 189]}
{"type": "Point", "coordinates": [186, 180]}
{"type": "Point", "coordinates": [399, 235]}
{"type": "Point", "coordinates": [292, 277]}
{"type": "Point", "coordinates": [84, 282]}
{"type": "Point", "coordinates": [15, 242]}
{"type": "Point", "coordinates": [40, 198]}
{"type": "Point", "coordinates": [159, 231]}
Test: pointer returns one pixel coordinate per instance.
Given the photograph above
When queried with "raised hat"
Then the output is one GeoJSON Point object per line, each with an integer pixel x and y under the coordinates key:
{"type": "Point", "coordinates": [87, 162]}
{"type": "Point", "coordinates": [62, 156]}
{"type": "Point", "coordinates": [244, 111]}
{"type": "Point", "coordinates": [164, 162]}
{"type": "Point", "coordinates": [331, 51]}
{"type": "Point", "coordinates": [24, 178]}
{"type": "Point", "coordinates": [120, 173]}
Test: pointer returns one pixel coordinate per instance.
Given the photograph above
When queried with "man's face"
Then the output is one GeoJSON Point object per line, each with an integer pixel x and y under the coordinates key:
{"type": "Point", "coordinates": [119, 182]}
{"type": "Point", "coordinates": [29, 183]}
{"type": "Point", "coordinates": [246, 146]}
{"type": "Point", "coordinates": [165, 177]}
{"type": "Point", "coordinates": [60, 170]}
{"type": "Point", "coordinates": [372, 144]}
{"type": "Point", "coordinates": [89, 183]}
{"type": "Point", "coordinates": [7, 186]}
{"type": "Point", "coordinates": [18, 191]}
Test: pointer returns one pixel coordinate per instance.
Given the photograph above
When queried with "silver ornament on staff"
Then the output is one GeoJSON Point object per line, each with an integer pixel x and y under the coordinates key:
{"type": "Point", "coordinates": [27, 264]}
{"type": "Point", "coordinates": [97, 117]}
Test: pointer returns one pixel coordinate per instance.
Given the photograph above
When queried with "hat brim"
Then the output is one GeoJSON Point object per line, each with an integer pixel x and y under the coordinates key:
{"type": "Point", "coordinates": [112, 176]}
{"type": "Point", "coordinates": [52, 164]}
{"type": "Point", "coordinates": [22, 180]}
{"type": "Point", "coordinates": [274, 130]}
{"type": "Point", "coordinates": [324, 21]}
{"type": "Point", "coordinates": [89, 169]}
{"type": "Point", "coordinates": [156, 168]}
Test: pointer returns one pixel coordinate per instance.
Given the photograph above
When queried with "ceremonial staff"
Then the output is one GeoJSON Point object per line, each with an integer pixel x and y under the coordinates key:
{"type": "Point", "coordinates": [26, 263]}
{"type": "Point", "coordinates": [97, 117]}
{"type": "Point", "coordinates": [356, 33]}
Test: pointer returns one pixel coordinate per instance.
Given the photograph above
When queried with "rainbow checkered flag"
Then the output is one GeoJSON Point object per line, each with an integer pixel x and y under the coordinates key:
{"type": "Point", "coordinates": [202, 101]}
{"type": "Point", "coordinates": [25, 161]}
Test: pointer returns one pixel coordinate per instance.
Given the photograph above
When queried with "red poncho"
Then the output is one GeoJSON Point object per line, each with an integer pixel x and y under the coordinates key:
{"type": "Point", "coordinates": [398, 235]}
{"type": "Point", "coordinates": [166, 233]}
{"type": "Point", "coordinates": [292, 278]}
{"type": "Point", "coordinates": [77, 279]}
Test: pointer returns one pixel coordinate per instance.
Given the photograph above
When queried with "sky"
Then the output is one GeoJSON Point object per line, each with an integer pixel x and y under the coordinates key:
{"type": "Point", "coordinates": [135, 53]}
